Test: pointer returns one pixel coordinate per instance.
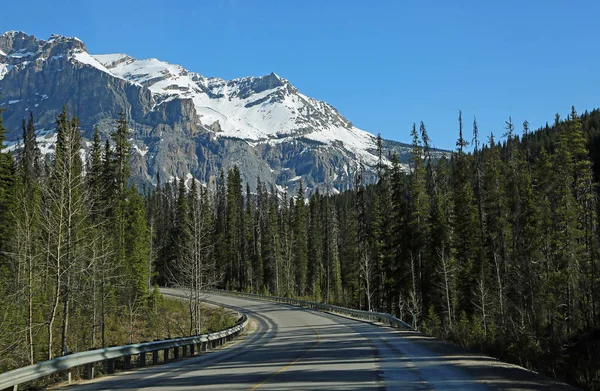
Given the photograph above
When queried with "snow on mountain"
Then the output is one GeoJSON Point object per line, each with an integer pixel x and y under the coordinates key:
{"type": "Point", "coordinates": [182, 122]}
{"type": "Point", "coordinates": [267, 108]}
{"type": "Point", "coordinates": [84, 58]}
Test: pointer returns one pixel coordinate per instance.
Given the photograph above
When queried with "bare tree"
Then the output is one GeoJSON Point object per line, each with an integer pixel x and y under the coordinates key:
{"type": "Point", "coordinates": [414, 298]}
{"type": "Point", "coordinates": [446, 269]}
{"type": "Point", "coordinates": [366, 273]}
{"type": "Point", "coordinates": [63, 221]}
{"type": "Point", "coordinates": [27, 258]}
{"type": "Point", "coordinates": [196, 271]}
{"type": "Point", "coordinates": [481, 301]}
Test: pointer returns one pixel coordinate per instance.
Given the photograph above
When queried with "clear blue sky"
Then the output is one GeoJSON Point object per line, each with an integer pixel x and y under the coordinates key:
{"type": "Point", "coordinates": [382, 64]}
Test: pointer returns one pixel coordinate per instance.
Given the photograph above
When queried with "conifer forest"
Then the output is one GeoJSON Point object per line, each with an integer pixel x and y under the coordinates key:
{"type": "Point", "coordinates": [494, 247]}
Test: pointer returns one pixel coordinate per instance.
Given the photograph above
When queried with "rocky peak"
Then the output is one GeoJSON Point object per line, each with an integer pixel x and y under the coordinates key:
{"type": "Point", "coordinates": [59, 43]}
{"type": "Point", "coordinates": [18, 41]}
{"type": "Point", "coordinates": [255, 85]}
{"type": "Point", "coordinates": [18, 49]}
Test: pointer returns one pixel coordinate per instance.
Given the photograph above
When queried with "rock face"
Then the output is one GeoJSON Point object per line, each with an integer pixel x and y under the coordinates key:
{"type": "Point", "coordinates": [183, 123]}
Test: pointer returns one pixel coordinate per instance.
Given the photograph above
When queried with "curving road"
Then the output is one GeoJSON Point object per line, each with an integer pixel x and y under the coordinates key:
{"type": "Point", "coordinates": [289, 348]}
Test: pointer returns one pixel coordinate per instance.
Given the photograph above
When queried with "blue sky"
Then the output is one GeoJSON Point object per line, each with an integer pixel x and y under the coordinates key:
{"type": "Point", "coordinates": [382, 64]}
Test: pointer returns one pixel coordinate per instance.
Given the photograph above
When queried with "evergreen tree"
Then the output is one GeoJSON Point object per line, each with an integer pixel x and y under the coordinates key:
{"type": "Point", "coordinates": [94, 175]}
{"type": "Point", "coordinates": [419, 227]}
{"type": "Point", "coordinates": [136, 253]}
{"type": "Point", "coordinates": [7, 193]}
{"type": "Point", "coordinates": [235, 230]}
{"type": "Point", "coordinates": [300, 243]}
{"type": "Point", "coordinates": [315, 246]}
{"type": "Point", "coordinates": [465, 223]}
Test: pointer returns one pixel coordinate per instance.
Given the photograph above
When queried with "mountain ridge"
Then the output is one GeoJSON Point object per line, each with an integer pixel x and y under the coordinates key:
{"type": "Point", "coordinates": [182, 122]}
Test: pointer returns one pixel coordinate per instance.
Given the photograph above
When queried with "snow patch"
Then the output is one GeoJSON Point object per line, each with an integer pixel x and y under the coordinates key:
{"type": "Point", "coordinates": [4, 69]}
{"type": "Point", "coordinates": [20, 55]}
{"type": "Point", "coordinates": [142, 152]}
{"type": "Point", "coordinates": [46, 140]}
{"type": "Point", "coordinates": [2, 53]}
{"type": "Point", "coordinates": [12, 102]}
{"type": "Point", "coordinates": [86, 58]}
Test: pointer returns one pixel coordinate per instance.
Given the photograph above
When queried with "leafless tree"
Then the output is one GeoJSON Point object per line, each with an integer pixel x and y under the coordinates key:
{"type": "Point", "coordinates": [482, 301]}
{"type": "Point", "coordinates": [366, 273]}
{"type": "Point", "coordinates": [414, 300]}
{"type": "Point", "coordinates": [447, 269]}
{"type": "Point", "coordinates": [196, 271]}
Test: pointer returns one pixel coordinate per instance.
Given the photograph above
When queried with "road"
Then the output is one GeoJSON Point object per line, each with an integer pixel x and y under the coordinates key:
{"type": "Point", "coordinates": [290, 348]}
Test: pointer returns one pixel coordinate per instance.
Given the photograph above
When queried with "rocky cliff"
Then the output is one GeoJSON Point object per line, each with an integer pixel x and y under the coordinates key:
{"type": "Point", "coordinates": [184, 124]}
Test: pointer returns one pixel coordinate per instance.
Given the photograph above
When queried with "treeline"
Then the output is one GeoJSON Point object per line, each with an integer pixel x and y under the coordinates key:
{"type": "Point", "coordinates": [75, 250]}
{"type": "Point", "coordinates": [494, 247]}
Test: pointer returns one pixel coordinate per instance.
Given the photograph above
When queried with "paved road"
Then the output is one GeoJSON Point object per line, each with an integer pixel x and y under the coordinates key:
{"type": "Point", "coordinates": [289, 348]}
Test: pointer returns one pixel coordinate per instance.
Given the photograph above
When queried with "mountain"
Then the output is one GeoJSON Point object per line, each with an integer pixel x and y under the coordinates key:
{"type": "Point", "coordinates": [184, 124]}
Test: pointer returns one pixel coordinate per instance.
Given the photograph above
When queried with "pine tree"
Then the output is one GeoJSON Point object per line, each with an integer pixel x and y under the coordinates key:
{"type": "Point", "coordinates": [315, 246]}
{"type": "Point", "coordinates": [235, 230]}
{"type": "Point", "coordinates": [254, 262]}
{"type": "Point", "coordinates": [7, 193]}
{"type": "Point", "coordinates": [136, 251]}
{"type": "Point", "coordinates": [221, 227]}
{"type": "Point", "coordinates": [122, 153]}
{"type": "Point", "coordinates": [583, 186]}
{"type": "Point", "coordinates": [300, 242]}
{"type": "Point", "coordinates": [419, 226]}
{"type": "Point", "coordinates": [399, 268]}
{"type": "Point", "coordinates": [94, 175]}
{"type": "Point", "coordinates": [497, 230]}
{"type": "Point", "coordinates": [465, 223]}
{"type": "Point", "coordinates": [181, 233]}
{"type": "Point", "coordinates": [566, 239]}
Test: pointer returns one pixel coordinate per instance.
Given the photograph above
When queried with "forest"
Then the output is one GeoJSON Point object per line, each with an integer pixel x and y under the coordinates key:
{"type": "Point", "coordinates": [494, 247]}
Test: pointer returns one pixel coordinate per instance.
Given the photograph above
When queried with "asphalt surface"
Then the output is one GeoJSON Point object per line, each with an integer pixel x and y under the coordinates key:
{"type": "Point", "coordinates": [289, 348]}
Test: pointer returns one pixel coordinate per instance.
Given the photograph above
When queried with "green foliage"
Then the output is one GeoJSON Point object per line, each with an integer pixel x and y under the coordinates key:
{"type": "Point", "coordinates": [499, 246]}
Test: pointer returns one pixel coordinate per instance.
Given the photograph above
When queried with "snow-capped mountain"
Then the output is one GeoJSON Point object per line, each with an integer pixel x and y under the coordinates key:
{"type": "Point", "coordinates": [184, 123]}
{"type": "Point", "coordinates": [250, 108]}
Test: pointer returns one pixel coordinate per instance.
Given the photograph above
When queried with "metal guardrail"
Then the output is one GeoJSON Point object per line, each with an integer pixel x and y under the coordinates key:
{"type": "Point", "coordinates": [368, 315]}
{"type": "Point", "coordinates": [14, 378]}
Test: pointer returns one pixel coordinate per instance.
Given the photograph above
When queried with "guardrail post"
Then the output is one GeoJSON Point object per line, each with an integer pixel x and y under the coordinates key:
{"type": "Point", "coordinates": [154, 357]}
{"type": "Point", "coordinates": [204, 346]}
{"type": "Point", "coordinates": [110, 366]}
{"type": "Point", "coordinates": [176, 352]}
{"type": "Point", "coordinates": [184, 350]}
{"type": "Point", "coordinates": [166, 355]}
{"type": "Point", "coordinates": [89, 369]}
{"type": "Point", "coordinates": [143, 359]}
{"type": "Point", "coordinates": [127, 362]}
{"type": "Point", "coordinates": [192, 349]}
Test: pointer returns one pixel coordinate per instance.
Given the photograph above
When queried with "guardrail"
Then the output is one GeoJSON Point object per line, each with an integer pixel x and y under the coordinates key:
{"type": "Point", "coordinates": [203, 342]}
{"type": "Point", "coordinates": [368, 315]}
